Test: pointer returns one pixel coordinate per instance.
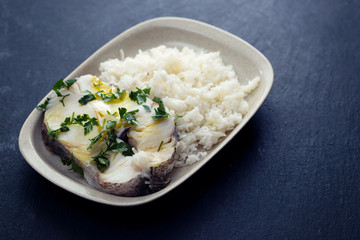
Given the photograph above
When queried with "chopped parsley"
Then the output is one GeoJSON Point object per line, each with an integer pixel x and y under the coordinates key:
{"type": "Point", "coordinates": [122, 112]}
{"type": "Point", "coordinates": [107, 97]}
{"type": "Point", "coordinates": [111, 136]}
{"type": "Point", "coordinates": [42, 107]}
{"type": "Point", "coordinates": [160, 145]}
{"type": "Point", "coordinates": [140, 95]}
{"type": "Point", "coordinates": [68, 121]}
{"type": "Point", "coordinates": [122, 147]}
{"type": "Point", "coordinates": [54, 133]}
{"type": "Point", "coordinates": [177, 118]}
{"type": "Point", "coordinates": [102, 163]}
{"type": "Point", "coordinates": [88, 126]}
{"type": "Point", "coordinates": [128, 116]}
{"type": "Point", "coordinates": [113, 144]}
{"type": "Point", "coordinates": [83, 120]}
{"type": "Point", "coordinates": [63, 97]}
{"type": "Point", "coordinates": [160, 112]}
{"type": "Point", "coordinates": [97, 85]}
{"type": "Point", "coordinates": [147, 90]}
{"type": "Point", "coordinates": [103, 123]}
{"type": "Point", "coordinates": [59, 85]}
{"type": "Point", "coordinates": [76, 168]}
{"type": "Point", "coordinates": [86, 98]}
{"type": "Point", "coordinates": [95, 139]}
{"type": "Point", "coordinates": [113, 114]}
{"type": "Point", "coordinates": [120, 94]}
{"type": "Point", "coordinates": [66, 161]}
{"type": "Point", "coordinates": [147, 108]}
{"type": "Point", "coordinates": [69, 83]}
{"type": "Point", "coordinates": [110, 125]}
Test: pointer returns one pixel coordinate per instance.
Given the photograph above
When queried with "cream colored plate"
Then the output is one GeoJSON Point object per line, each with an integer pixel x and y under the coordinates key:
{"type": "Point", "coordinates": [173, 32]}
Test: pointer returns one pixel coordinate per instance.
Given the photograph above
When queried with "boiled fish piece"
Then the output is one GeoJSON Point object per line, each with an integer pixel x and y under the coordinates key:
{"type": "Point", "coordinates": [152, 141]}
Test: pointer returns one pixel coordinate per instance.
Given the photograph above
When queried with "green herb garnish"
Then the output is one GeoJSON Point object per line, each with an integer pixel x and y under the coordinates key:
{"type": "Point", "coordinates": [110, 130]}
{"type": "Point", "coordinates": [140, 95]}
{"type": "Point", "coordinates": [76, 168]}
{"type": "Point", "coordinates": [102, 163]}
{"type": "Point", "coordinates": [66, 161]}
{"type": "Point", "coordinates": [113, 144]}
{"type": "Point", "coordinates": [107, 97]}
{"type": "Point", "coordinates": [97, 85]}
{"type": "Point", "coordinates": [147, 108]}
{"type": "Point", "coordinates": [42, 107]}
{"type": "Point", "coordinates": [68, 120]}
{"type": "Point", "coordinates": [177, 118]}
{"type": "Point", "coordinates": [160, 112]}
{"type": "Point", "coordinates": [122, 112]}
{"type": "Point", "coordinates": [83, 120]}
{"type": "Point", "coordinates": [160, 145]}
{"type": "Point", "coordinates": [147, 90]}
{"type": "Point", "coordinates": [88, 126]}
{"type": "Point", "coordinates": [62, 99]}
{"type": "Point", "coordinates": [122, 147]}
{"type": "Point", "coordinates": [128, 116]}
{"type": "Point", "coordinates": [86, 98]}
{"type": "Point", "coordinates": [113, 114]}
{"type": "Point", "coordinates": [110, 125]}
{"type": "Point", "coordinates": [120, 94]}
{"type": "Point", "coordinates": [69, 83]}
{"type": "Point", "coordinates": [60, 84]}
{"type": "Point", "coordinates": [103, 123]}
{"type": "Point", "coordinates": [54, 133]}
{"type": "Point", "coordinates": [95, 139]}
{"type": "Point", "coordinates": [111, 136]}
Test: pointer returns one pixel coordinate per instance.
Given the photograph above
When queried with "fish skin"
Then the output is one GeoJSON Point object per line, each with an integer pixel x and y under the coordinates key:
{"type": "Point", "coordinates": [137, 186]}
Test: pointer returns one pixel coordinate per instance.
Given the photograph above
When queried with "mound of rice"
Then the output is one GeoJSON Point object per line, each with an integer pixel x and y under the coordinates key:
{"type": "Point", "coordinates": [193, 84]}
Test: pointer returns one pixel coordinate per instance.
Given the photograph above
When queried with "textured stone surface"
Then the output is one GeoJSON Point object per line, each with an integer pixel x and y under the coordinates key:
{"type": "Point", "coordinates": [292, 173]}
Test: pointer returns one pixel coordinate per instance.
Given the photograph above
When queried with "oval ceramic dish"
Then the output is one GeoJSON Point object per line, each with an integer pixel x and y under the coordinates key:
{"type": "Point", "coordinates": [172, 32]}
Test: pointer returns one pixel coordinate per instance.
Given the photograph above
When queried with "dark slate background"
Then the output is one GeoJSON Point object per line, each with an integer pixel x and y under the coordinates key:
{"type": "Point", "coordinates": [291, 173]}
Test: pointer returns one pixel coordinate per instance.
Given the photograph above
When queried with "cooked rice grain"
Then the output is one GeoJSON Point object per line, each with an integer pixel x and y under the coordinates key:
{"type": "Point", "coordinates": [193, 84]}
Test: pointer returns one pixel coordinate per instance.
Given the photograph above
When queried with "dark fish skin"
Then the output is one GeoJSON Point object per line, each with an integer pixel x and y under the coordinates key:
{"type": "Point", "coordinates": [54, 145]}
{"type": "Point", "coordinates": [123, 136]}
{"type": "Point", "coordinates": [137, 186]}
{"type": "Point", "coordinates": [134, 187]}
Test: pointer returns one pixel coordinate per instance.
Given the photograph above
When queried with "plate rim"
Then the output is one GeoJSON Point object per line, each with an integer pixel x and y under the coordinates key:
{"type": "Point", "coordinates": [30, 155]}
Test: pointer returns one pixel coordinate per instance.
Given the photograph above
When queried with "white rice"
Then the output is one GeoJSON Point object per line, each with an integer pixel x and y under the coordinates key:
{"type": "Point", "coordinates": [193, 84]}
